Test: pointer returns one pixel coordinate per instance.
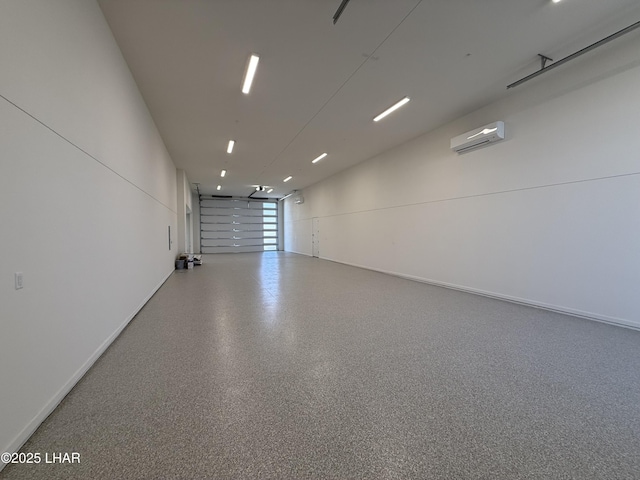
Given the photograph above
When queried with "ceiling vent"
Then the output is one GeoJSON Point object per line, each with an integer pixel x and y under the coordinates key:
{"type": "Point", "coordinates": [479, 137]}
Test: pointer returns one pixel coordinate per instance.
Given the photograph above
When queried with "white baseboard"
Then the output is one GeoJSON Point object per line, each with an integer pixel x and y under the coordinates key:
{"type": "Point", "coordinates": [51, 405]}
{"type": "Point", "coordinates": [620, 322]}
{"type": "Point", "coordinates": [299, 253]}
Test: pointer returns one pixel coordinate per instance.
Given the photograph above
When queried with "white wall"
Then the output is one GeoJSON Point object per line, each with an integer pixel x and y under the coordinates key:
{"type": "Point", "coordinates": [87, 193]}
{"type": "Point", "coordinates": [184, 207]}
{"type": "Point", "coordinates": [195, 216]}
{"type": "Point", "coordinates": [549, 217]}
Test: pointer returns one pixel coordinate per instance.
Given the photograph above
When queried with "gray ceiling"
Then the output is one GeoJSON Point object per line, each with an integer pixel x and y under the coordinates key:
{"type": "Point", "coordinates": [319, 85]}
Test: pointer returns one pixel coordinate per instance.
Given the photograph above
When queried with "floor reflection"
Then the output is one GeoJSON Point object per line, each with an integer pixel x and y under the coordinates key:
{"type": "Point", "coordinates": [269, 278]}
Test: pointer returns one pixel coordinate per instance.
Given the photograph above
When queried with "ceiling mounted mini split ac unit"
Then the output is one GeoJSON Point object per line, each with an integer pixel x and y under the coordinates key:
{"type": "Point", "coordinates": [479, 137]}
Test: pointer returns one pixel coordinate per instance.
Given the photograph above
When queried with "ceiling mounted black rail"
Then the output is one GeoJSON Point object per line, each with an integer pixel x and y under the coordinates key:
{"type": "Point", "coordinates": [544, 58]}
{"type": "Point", "coordinates": [336, 15]}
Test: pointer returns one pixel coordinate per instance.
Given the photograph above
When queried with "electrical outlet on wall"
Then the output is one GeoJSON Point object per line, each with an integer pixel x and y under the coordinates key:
{"type": "Point", "coordinates": [18, 277]}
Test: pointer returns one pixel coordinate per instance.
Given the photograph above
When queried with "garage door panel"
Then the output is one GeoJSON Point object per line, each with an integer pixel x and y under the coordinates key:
{"type": "Point", "coordinates": [236, 249]}
{"type": "Point", "coordinates": [231, 234]}
{"type": "Point", "coordinates": [228, 227]}
{"type": "Point", "coordinates": [237, 225]}
{"type": "Point", "coordinates": [232, 242]}
{"type": "Point", "coordinates": [252, 212]}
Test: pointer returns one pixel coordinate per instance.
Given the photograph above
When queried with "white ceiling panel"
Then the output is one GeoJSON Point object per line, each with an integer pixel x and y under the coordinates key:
{"type": "Point", "coordinates": [319, 85]}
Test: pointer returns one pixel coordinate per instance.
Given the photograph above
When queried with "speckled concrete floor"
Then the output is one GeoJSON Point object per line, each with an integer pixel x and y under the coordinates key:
{"type": "Point", "coordinates": [283, 366]}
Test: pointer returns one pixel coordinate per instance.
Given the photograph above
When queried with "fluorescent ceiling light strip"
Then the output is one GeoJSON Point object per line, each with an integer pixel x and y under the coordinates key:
{"type": "Point", "coordinates": [319, 158]}
{"type": "Point", "coordinates": [230, 146]}
{"type": "Point", "coordinates": [219, 187]}
{"type": "Point", "coordinates": [288, 178]}
{"type": "Point", "coordinates": [288, 195]}
{"type": "Point", "coordinates": [251, 71]}
{"type": "Point", "coordinates": [270, 190]}
{"type": "Point", "coordinates": [223, 173]}
{"type": "Point", "coordinates": [392, 109]}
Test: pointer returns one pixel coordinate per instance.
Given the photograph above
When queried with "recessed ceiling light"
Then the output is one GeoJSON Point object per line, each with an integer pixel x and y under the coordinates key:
{"type": "Point", "coordinates": [219, 187]}
{"type": "Point", "coordinates": [223, 173]}
{"type": "Point", "coordinates": [230, 146]}
{"type": "Point", "coordinates": [251, 71]}
{"type": "Point", "coordinates": [555, 1]}
{"type": "Point", "coordinates": [392, 109]}
{"type": "Point", "coordinates": [288, 178]}
{"type": "Point", "coordinates": [319, 158]}
{"type": "Point", "coordinates": [270, 190]}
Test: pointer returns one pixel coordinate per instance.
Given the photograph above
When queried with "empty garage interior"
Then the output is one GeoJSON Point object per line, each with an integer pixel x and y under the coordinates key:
{"type": "Point", "coordinates": [392, 309]}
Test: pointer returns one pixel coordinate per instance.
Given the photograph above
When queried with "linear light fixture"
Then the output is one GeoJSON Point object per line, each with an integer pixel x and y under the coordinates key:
{"type": "Point", "coordinates": [270, 190]}
{"type": "Point", "coordinates": [251, 71]}
{"type": "Point", "coordinates": [319, 158]}
{"type": "Point", "coordinates": [223, 173]}
{"type": "Point", "coordinates": [336, 15]}
{"type": "Point", "coordinates": [392, 109]}
{"type": "Point", "coordinates": [568, 58]}
{"type": "Point", "coordinates": [288, 195]}
{"type": "Point", "coordinates": [219, 187]}
{"type": "Point", "coordinates": [230, 146]}
{"type": "Point", "coordinates": [288, 178]}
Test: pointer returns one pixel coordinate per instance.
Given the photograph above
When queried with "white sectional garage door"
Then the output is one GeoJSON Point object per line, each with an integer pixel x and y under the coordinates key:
{"type": "Point", "coordinates": [238, 225]}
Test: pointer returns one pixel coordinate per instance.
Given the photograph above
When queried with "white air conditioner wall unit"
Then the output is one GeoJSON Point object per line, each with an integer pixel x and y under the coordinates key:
{"type": "Point", "coordinates": [478, 137]}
